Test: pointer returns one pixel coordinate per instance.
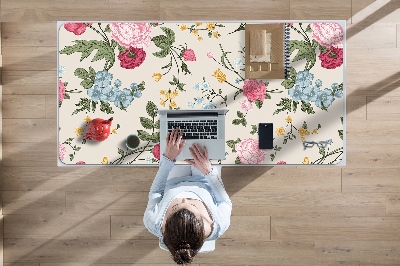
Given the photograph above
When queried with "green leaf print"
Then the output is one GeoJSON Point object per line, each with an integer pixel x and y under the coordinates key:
{"type": "Point", "coordinates": [231, 144]}
{"type": "Point", "coordinates": [307, 108]}
{"type": "Point", "coordinates": [305, 51]}
{"type": "Point", "coordinates": [81, 73]}
{"type": "Point", "coordinates": [86, 83]}
{"type": "Point", "coordinates": [86, 47]}
{"type": "Point", "coordinates": [259, 103]}
{"type": "Point", "coordinates": [236, 121]}
{"type": "Point", "coordinates": [340, 133]}
{"type": "Point", "coordinates": [254, 129]}
{"type": "Point", "coordinates": [284, 105]}
{"type": "Point", "coordinates": [288, 83]}
{"type": "Point", "coordinates": [146, 123]}
{"type": "Point", "coordinates": [143, 135]}
{"type": "Point", "coordinates": [106, 107]}
{"type": "Point", "coordinates": [151, 109]}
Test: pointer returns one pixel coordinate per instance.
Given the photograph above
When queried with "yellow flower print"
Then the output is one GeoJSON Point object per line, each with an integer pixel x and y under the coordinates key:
{"type": "Point", "coordinates": [315, 131]}
{"type": "Point", "coordinates": [87, 119]}
{"type": "Point", "coordinates": [210, 26]}
{"type": "Point", "coordinates": [288, 119]}
{"type": "Point", "coordinates": [183, 27]}
{"type": "Point", "coordinates": [215, 34]}
{"type": "Point", "coordinates": [306, 160]}
{"type": "Point", "coordinates": [280, 131]}
{"type": "Point", "coordinates": [172, 104]}
{"type": "Point", "coordinates": [221, 77]}
{"type": "Point", "coordinates": [302, 131]}
{"type": "Point", "coordinates": [162, 92]}
{"type": "Point", "coordinates": [307, 132]}
{"type": "Point", "coordinates": [162, 102]}
{"type": "Point", "coordinates": [303, 139]}
{"type": "Point", "coordinates": [169, 96]}
{"type": "Point", "coordinates": [199, 24]}
{"type": "Point", "coordinates": [175, 93]}
{"type": "Point", "coordinates": [195, 32]}
{"type": "Point", "coordinates": [105, 160]}
{"type": "Point", "coordinates": [79, 131]}
{"type": "Point", "coordinates": [114, 131]}
{"type": "Point", "coordinates": [200, 38]}
{"type": "Point", "coordinates": [157, 76]}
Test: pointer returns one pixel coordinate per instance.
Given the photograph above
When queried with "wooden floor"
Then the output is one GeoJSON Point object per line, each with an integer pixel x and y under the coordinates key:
{"type": "Point", "coordinates": [281, 215]}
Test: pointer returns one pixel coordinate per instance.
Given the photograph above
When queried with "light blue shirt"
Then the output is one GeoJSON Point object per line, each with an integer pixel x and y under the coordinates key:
{"type": "Point", "coordinates": [209, 188]}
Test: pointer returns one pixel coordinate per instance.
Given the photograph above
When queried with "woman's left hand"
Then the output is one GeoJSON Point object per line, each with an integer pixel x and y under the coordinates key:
{"type": "Point", "coordinates": [174, 144]}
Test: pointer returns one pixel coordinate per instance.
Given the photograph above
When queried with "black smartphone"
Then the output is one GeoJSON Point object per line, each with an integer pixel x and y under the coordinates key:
{"type": "Point", "coordinates": [265, 136]}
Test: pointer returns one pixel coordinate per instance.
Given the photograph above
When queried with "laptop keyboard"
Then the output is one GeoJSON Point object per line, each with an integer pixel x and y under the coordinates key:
{"type": "Point", "coordinates": [195, 129]}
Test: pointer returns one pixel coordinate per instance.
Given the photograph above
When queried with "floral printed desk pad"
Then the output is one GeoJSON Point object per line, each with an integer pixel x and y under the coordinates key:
{"type": "Point", "coordinates": [128, 70]}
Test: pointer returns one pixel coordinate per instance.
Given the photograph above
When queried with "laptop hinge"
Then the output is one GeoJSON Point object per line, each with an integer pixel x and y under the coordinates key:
{"type": "Point", "coordinates": [191, 114]}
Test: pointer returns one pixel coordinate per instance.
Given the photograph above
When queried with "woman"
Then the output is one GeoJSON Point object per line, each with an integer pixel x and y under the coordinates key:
{"type": "Point", "coordinates": [185, 211]}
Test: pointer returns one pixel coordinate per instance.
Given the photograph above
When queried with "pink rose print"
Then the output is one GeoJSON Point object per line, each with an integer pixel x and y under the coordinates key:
{"type": "Point", "coordinates": [332, 58]}
{"type": "Point", "coordinates": [281, 162]}
{"type": "Point", "coordinates": [156, 151]}
{"type": "Point", "coordinates": [61, 90]}
{"type": "Point", "coordinates": [76, 28]}
{"type": "Point", "coordinates": [210, 55]}
{"type": "Point", "coordinates": [132, 57]}
{"type": "Point", "coordinates": [254, 90]}
{"type": "Point", "coordinates": [327, 34]}
{"type": "Point", "coordinates": [131, 34]}
{"type": "Point", "coordinates": [80, 162]}
{"type": "Point", "coordinates": [248, 152]}
{"type": "Point", "coordinates": [188, 55]}
{"type": "Point", "coordinates": [61, 151]}
{"type": "Point", "coordinates": [246, 105]}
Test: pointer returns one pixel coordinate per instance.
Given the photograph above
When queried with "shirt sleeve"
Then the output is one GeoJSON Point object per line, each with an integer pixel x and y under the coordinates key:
{"type": "Point", "coordinates": [223, 201]}
{"type": "Point", "coordinates": [156, 194]}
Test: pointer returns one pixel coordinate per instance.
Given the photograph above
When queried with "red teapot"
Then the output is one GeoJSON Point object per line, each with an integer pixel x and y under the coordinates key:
{"type": "Point", "coordinates": [98, 129]}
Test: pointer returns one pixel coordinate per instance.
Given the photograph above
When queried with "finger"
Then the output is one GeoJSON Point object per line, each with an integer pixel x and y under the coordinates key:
{"type": "Point", "coordinates": [168, 135]}
{"type": "Point", "coordinates": [175, 134]}
{"type": "Point", "coordinates": [193, 153]}
{"type": "Point", "coordinates": [205, 152]}
{"type": "Point", "coordinates": [189, 162]}
{"type": "Point", "coordinates": [197, 151]}
{"type": "Point", "coordinates": [180, 136]}
{"type": "Point", "coordinates": [183, 143]}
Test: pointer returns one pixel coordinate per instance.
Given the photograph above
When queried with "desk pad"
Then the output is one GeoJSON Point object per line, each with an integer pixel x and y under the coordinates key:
{"type": "Point", "coordinates": [127, 70]}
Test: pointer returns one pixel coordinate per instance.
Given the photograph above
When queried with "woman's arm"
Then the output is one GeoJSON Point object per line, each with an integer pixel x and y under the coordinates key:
{"type": "Point", "coordinates": [156, 193]}
{"type": "Point", "coordinates": [173, 148]}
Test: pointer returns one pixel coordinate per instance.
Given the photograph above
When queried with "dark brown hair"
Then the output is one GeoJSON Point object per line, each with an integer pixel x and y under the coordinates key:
{"type": "Point", "coordinates": [184, 235]}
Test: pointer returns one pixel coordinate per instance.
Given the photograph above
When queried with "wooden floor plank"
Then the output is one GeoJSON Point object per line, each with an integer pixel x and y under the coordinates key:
{"type": "Point", "coordinates": [78, 179]}
{"type": "Point", "coordinates": [107, 203]}
{"type": "Point", "coordinates": [30, 154]}
{"type": "Point", "coordinates": [24, 106]}
{"type": "Point", "coordinates": [372, 155]}
{"type": "Point", "coordinates": [75, 10]}
{"type": "Point", "coordinates": [364, 252]}
{"type": "Point", "coordinates": [53, 226]}
{"type": "Point", "coordinates": [356, 108]}
{"type": "Point", "coordinates": [309, 204]}
{"type": "Point", "coordinates": [335, 228]}
{"type": "Point", "coordinates": [51, 106]}
{"type": "Point", "coordinates": [380, 180]}
{"type": "Point", "coordinates": [304, 9]}
{"type": "Point", "coordinates": [226, 10]}
{"type": "Point", "coordinates": [359, 5]}
{"type": "Point", "coordinates": [40, 62]}
{"type": "Point", "coordinates": [128, 227]}
{"type": "Point", "coordinates": [29, 82]}
{"type": "Point", "coordinates": [393, 204]}
{"type": "Point", "coordinates": [373, 131]}
{"type": "Point", "coordinates": [33, 202]}
{"type": "Point", "coordinates": [29, 130]}
{"type": "Point", "coordinates": [383, 108]}
{"type": "Point", "coordinates": [284, 179]}
{"type": "Point", "coordinates": [32, 34]}
{"type": "Point", "coordinates": [372, 81]}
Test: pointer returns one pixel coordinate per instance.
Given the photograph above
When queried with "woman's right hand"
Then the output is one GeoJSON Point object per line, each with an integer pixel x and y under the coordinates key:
{"type": "Point", "coordinates": [200, 159]}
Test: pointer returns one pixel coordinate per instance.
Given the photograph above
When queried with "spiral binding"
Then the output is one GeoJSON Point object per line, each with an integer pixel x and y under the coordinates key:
{"type": "Point", "coordinates": [286, 49]}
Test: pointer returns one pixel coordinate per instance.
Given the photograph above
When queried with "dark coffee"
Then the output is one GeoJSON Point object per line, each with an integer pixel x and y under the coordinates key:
{"type": "Point", "coordinates": [132, 141]}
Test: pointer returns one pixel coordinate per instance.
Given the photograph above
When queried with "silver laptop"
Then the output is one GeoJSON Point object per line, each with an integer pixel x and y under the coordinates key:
{"type": "Point", "coordinates": [204, 127]}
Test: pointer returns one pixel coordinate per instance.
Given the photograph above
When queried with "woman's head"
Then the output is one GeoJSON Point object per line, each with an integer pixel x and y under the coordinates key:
{"type": "Point", "coordinates": [184, 235]}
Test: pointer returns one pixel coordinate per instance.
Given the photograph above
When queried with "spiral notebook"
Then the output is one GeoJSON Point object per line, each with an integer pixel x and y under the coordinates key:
{"type": "Point", "coordinates": [267, 51]}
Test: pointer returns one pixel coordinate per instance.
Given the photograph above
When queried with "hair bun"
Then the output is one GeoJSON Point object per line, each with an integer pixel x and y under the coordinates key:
{"type": "Point", "coordinates": [184, 245]}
